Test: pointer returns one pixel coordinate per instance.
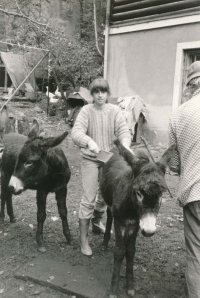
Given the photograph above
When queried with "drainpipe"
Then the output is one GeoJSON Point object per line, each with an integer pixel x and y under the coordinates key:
{"type": "Point", "coordinates": [106, 40]}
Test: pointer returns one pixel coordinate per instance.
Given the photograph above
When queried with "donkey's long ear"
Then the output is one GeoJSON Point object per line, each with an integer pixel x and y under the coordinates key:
{"type": "Point", "coordinates": [34, 131]}
{"type": "Point", "coordinates": [127, 155]}
{"type": "Point", "coordinates": [52, 141]}
{"type": "Point", "coordinates": [166, 158]}
{"type": "Point", "coordinates": [4, 118]}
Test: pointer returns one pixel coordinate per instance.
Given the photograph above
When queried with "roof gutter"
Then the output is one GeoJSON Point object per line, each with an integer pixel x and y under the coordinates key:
{"type": "Point", "coordinates": [106, 40]}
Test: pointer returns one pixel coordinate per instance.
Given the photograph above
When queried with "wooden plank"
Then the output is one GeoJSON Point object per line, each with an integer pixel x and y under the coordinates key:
{"type": "Point", "coordinates": [123, 2]}
{"type": "Point", "coordinates": [162, 16]}
{"type": "Point", "coordinates": [155, 10]}
{"type": "Point", "coordinates": [141, 5]}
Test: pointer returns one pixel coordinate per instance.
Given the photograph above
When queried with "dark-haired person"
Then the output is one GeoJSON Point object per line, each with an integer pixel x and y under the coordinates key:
{"type": "Point", "coordinates": [184, 132]}
{"type": "Point", "coordinates": [96, 127]}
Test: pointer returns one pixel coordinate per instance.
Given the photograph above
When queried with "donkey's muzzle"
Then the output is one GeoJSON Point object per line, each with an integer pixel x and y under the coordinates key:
{"type": "Point", "coordinates": [149, 234]}
{"type": "Point", "coordinates": [15, 185]}
{"type": "Point", "coordinates": [148, 225]}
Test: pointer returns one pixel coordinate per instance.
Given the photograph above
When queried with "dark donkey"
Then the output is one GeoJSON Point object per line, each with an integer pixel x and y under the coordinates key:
{"type": "Point", "coordinates": [131, 186]}
{"type": "Point", "coordinates": [33, 163]}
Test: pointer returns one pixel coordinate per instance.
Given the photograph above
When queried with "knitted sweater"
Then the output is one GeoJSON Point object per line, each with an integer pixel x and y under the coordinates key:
{"type": "Point", "coordinates": [184, 132]}
{"type": "Point", "coordinates": [102, 126]}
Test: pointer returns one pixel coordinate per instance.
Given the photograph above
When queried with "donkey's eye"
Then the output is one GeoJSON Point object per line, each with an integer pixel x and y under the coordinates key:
{"type": "Point", "coordinates": [1, 150]}
{"type": "Point", "coordinates": [139, 196]}
{"type": "Point", "coordinates": [28, 164]}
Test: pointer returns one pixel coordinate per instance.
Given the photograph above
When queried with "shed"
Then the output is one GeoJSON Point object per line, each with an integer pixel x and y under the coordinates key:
{"type": "Point", "coordinates": [149, 46]}
{"type": "Point", "coordinates": [16, 66]}
{"type": "Point", "coordinates": [79, 98]}
{"type": "Point", "coordinates": [75, 101]}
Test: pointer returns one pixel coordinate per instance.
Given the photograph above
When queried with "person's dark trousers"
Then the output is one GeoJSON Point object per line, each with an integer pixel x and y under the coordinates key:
{"type": "Point", "coordinates": [191, 214]}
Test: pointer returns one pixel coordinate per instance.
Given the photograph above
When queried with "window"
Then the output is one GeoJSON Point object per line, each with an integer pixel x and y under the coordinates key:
{"type": "Point", "coordinates": [186, 54]}
{"type": "Point", "coordinates": [190, 56]}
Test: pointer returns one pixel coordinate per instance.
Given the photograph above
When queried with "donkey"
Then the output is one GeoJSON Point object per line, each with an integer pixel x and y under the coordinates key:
{"type": "Point", "coordinates": [33, 163]}
{"type": "Point", "coordinates": [18, 124]}
{"type": "Point", "coordinates": [131, 186]}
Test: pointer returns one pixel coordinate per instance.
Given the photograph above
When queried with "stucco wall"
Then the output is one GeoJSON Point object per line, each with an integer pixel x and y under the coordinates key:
{"type": "Point", "coordinates": [144, 62]}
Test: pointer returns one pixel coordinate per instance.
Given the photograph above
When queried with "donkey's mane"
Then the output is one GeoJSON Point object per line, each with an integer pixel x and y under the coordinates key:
{"type": "Point", "coordinates": [33, 141]}
{"type": "Point", "coordinates": [143, 155]}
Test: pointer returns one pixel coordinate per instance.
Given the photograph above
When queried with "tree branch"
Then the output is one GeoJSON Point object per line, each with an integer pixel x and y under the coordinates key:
{"type": "Point", "coordinates": [18, 6]}
{"type": "Point", "coordinates": [23, 46]}
{"type": "Point", "coordinates": [21, 15]}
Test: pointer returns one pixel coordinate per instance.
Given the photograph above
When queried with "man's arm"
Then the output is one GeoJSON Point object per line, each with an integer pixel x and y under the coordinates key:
{"type": "Point", "coordinates": [175, 161]}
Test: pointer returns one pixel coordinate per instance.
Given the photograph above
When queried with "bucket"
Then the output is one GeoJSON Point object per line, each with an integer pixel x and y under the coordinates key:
{"type": "Point", "coordinates": [70, 143]}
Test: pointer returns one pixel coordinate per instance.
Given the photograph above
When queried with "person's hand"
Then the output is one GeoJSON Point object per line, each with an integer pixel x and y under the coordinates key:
{"type": "Point", "coordinates": [92, 145]}
{"type": "Point", "coordinates": [125, 143]}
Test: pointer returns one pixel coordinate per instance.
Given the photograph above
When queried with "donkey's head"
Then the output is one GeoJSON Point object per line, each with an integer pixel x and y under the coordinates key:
{"type": "Point", "coordinates": [4, 127]}
{"type": "Point", "coordinates": [31, 164]}
{"type": "Point", "coordinates": [148, 184]}
{"type": "Point", "coordinates": [11, 124]}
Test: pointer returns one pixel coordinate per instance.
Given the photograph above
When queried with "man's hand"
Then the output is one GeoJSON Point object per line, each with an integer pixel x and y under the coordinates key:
{"type": "Point", "coordinates": [92, 145]}
{"type": "Point", "coordinates": [175, 169]}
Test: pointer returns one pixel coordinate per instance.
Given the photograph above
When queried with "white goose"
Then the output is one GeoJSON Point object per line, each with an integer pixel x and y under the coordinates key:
{"type": "Point", "coordinates": [52, 97]}
{"type": "Point", "coordinates": [57, 93]}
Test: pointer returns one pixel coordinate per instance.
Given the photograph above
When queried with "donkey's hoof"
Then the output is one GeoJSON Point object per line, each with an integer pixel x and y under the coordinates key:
{"type": "Point", "coordinates": [42, 249]}
{"type": "Point", "coordinates": [69, 240]}
{"type": "Point", "coordinates": [13, 219]}
{"type": "Point", "coordinates": [104, 247]}
{"type": "Point", "coordinates": [131, 293]}
{"type": "Point", "coordinates": [105, 244]}
{"type": "Point", "coordinates": [1, 220]}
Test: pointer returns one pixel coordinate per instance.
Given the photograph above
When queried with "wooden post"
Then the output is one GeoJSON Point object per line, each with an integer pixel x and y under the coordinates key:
{"type": "Point", "coordinates": [49, 71]}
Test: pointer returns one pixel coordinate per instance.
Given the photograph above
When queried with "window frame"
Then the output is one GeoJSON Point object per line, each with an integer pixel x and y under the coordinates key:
{"type": "Point", "coordinates": [183, 61]}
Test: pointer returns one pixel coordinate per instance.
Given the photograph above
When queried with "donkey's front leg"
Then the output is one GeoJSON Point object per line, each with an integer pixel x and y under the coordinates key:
{"type": "Point", "coordinates": [130, 240]}
{"type": "Point", "coordinates": [118, 258]}
{"type": "Point", "coordinates": [108, 228]}
{"type": "Point", "coordinates": [6, 199]}
{"type": "Point", "coordinates": [41, 216]}
{"type": "Point", "coordinates": [3, 203]}
{"type": "Point", "coordinates": [62, 209]}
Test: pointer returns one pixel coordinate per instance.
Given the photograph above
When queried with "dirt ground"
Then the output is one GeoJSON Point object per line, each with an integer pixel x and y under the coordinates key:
{"type": "Point", "coordinates": [159, 260]}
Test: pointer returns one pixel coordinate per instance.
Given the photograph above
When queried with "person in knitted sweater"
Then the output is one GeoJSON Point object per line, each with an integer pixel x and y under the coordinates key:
{"type": "Point", "coordinates": [96, 127]}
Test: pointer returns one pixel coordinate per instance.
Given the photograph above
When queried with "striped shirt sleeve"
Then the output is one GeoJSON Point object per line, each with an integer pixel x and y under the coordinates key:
{"type": "Point", "coordinates": [175, 162]}
{"type": "Point", "coordinates": [121, 128]}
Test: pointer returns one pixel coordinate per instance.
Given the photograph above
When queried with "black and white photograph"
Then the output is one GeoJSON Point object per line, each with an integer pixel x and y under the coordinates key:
{"type": "Point", "coordinates": [100, 148]}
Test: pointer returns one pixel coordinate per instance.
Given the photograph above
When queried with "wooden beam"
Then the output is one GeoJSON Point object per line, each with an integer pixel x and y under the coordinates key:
{"type": "Point", "coordinates": [141, 5]}
{"type": "Point", "coordinates": [123, 2]}
{"type": "Point", "coordinates": [172, 7]}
